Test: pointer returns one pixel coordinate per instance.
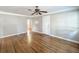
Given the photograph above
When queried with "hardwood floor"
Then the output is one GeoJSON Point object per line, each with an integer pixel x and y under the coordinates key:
{"type": "Point", "coordinates": [36, 43]}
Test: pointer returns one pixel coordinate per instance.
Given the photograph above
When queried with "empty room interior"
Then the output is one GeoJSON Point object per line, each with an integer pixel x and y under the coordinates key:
{"type": "Point", "coordinates": [39, 29]}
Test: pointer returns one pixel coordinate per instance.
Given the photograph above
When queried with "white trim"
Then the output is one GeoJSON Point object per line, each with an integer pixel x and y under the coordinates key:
{"type": "Point", "coordinates": [59, 37]}
{"type": "Point", "coordinates": [9, 13]}
{"type": "Point", "coordinates": [12, 35]}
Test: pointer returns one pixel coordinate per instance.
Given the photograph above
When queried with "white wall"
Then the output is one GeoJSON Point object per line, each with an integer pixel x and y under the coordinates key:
{"type": "Point", "coordinates": [37, 24]}
{"type": "Point", "coordinates": [46, 24]}
{"type": "Point", "coordinates": [10, 24]}
{"type": "Point", "coordinates": [65, 24]}
{"type": "Point", "coordinates": [66, 20]}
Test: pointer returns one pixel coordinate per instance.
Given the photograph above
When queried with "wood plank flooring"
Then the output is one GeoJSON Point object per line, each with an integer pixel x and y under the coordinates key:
{"type": "Point", "coordinates": [37, 43]}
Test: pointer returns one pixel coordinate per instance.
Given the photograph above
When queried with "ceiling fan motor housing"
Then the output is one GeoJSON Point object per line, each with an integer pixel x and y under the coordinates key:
{"type": "Point", "coordinates": [37, 10]}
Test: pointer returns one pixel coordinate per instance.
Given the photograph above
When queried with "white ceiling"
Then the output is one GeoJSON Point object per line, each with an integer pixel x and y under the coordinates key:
{"type": "Point", "coordinates": [23, 9]}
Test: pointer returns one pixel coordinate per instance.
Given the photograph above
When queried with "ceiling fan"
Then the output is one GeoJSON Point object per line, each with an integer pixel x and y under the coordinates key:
{"type": "Point", "coordinates": [37, 11]}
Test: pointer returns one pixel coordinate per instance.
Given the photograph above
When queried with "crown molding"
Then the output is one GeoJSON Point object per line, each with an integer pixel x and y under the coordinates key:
{"type": "Point", "coordinates": [9, 13]}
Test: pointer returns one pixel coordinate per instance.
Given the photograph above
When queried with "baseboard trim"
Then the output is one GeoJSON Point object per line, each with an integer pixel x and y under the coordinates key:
{"type": "Point", "coordinates": [45, 34]}
{"type": "Point", "coordinates": [59, 37]}
{"type": "Point", "coordinates": [12, 35]}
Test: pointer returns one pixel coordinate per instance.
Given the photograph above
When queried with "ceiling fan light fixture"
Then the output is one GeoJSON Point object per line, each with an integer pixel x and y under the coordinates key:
{"type": "Point", "coordinates": [37, 11]}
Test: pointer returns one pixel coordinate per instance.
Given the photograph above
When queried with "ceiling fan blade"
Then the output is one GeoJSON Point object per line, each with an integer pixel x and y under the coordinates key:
{"type": "Point", "coordinates": [33, 13]}
{"type": "Point", "coordinates": [44, 11]}
{"type": "Point", "coordinates": [40, 13]}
